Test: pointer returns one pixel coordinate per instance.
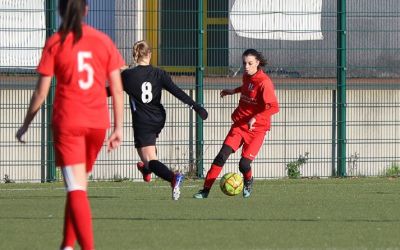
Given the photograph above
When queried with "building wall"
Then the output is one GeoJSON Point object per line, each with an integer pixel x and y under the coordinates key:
{"type": "Point", "coordinates": [372, 37]}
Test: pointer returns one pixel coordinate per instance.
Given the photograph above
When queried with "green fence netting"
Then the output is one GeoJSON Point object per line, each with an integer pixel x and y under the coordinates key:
{"type": "Point", "coordinates": [333, 63]}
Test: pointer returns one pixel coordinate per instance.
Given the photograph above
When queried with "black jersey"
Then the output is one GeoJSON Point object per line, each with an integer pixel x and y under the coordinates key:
{"type": "Point", "coordinates": [144, 85]}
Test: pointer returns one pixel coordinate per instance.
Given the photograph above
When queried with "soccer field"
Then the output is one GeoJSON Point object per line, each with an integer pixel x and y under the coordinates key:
{"type": "Point", "coordinates": [281, 214]}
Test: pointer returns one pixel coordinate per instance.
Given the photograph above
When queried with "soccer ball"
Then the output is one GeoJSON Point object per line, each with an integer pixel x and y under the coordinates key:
{"type": "Point", "coordinates": [231, 184]}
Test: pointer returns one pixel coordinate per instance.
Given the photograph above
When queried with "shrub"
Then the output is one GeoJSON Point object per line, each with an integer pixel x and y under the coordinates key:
{"type": "Point", "coordinates": [118, 178]}
{"type": "Point", "coordinates": [393, 170]}
{"type": "Point", "coordinates": [293, 168]}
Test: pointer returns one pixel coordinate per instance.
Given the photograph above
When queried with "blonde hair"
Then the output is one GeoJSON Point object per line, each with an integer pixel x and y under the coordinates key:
{"type": "Point", "coordinates": [140, 49]}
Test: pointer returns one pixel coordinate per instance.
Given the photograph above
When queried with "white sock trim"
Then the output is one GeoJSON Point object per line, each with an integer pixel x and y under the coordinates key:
{"type": "Point", "coordinates": [70, 183]}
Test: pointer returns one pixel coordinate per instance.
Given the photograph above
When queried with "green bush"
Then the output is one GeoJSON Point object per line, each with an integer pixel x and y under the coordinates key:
{"type": "Point", "coordinates": [118, 178]}
{"type": "Point", "coordinates": [393, 170]}
{"type": "Point", "coordinates": [293, 168]}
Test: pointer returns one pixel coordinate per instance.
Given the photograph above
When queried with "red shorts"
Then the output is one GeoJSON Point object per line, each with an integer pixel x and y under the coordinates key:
{"type": "Point", "coordinates": [251, 140]}
{"type": "Point", "coordinates": [77, 145]}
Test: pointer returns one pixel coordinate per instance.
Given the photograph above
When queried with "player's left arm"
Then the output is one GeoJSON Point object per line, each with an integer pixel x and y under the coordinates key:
{"type": "Point", "coordinates": [269, 101]}
{"type": "Point", "coordinates": [170, 86]}
{"type": "Point", "coordinates": [37, 99]}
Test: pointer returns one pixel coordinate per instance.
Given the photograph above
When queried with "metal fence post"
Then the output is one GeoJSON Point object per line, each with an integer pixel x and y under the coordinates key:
{"type": "Point", "coordinates": [334, 141]}
{"type": "Point", "coordinates": [192, 161]}
{"type": "Point", "coordinates": [43, 156]}
{"type": "Point", "coordinates": [341, 86]}
{"type": "Point", "coordinates": [199, 90]}
{"type": "Point", "coordinates": [51, 29]}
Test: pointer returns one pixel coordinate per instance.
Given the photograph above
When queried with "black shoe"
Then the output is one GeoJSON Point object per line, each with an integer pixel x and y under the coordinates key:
{"type": "Point", "coordinates": [202, 194]}
{"type": "Point", "coordinates": [248, 188]}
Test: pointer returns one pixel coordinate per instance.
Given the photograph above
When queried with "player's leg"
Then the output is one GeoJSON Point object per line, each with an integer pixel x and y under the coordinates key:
{"type": "Point", "coordinates": [94, 139]}
{"type": "Point", "coordinates": [148, 154]}
{"type": "Point", "coordinates": [78, 204]}
{"type": "Point", "coordinates": [232, 142]}
{"type": "Point", "coordinates": [78, 201]}
{"type": "Point", "coordinates": [76, 154]}
{"type": "Point", "coordinates": [145, 145]}
{"type": "Point", "coordinates": [161, 170]}
{"type": "Point", "coordinates": [214, 171]}
{"type": "Point", "coordinates": [69, 234]}
{"type": "Point", "coordinates": [216, 167]}
{"type": "Point", "coordinates": [63, 145]}
{"type": "Point", "coordinates": [252, 144]}
{"type": "Point", "coordinates": [245, 169]}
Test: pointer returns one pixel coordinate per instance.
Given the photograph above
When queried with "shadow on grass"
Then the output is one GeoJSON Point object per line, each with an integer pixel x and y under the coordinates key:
{"type": "Point", "coordinates": [252, 220]}
{"type": "Point", "coordinates": [43, 197]}
{"type": "Point", "coordinates": [211, 219]}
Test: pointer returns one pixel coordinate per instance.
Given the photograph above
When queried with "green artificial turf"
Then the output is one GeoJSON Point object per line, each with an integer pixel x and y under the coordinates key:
{"type": "Point", "coordinates": [281, 214]}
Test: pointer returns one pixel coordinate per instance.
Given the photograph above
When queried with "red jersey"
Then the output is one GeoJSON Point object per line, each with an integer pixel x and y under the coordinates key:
{"type": "Point", "coordinates": [257, 100]}
{"type": "Point", "coordinates": [81, 70]}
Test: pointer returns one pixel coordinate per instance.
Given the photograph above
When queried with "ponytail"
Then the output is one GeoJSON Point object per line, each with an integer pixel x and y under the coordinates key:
{"type": "Point", "coordinates": [140, 49]}
{"type": "Point", "coordinates": [71, 12]}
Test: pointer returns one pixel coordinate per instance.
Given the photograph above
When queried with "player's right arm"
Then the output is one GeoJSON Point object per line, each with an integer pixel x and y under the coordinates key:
{"type": "Point", "coordinates": [116, 90]}
{"type": "Point", "coordinates": [46, 71]}
{"type": "Point", "coordinates": [38, 97]}
{"type": "Point", "coordinates": [225, 92]}
{"type": "Point", "coordinates": [115, 63]}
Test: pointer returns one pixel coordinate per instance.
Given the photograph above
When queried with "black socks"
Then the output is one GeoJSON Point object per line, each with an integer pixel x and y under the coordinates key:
{"type": "Point", "coordinates": [159, 169]}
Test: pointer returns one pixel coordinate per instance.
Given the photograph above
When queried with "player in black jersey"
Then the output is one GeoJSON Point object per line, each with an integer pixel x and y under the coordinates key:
{"type": "Point", "coordinates": [144, 83]}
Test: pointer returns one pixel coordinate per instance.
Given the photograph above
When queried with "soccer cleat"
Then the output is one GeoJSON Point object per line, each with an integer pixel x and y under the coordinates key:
{"type": "Point", "coordinates": [176, 184]}
{"type": "Point", "coordinates": [202, 194]}
{"type": "Point", "coordinates": [140, 167]}
{"type": "Point", "coordinates": [248, 188]}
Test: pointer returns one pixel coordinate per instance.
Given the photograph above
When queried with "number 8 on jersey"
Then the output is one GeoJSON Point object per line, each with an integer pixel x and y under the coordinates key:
{"type": "Point", "coordinates": [147, 95]}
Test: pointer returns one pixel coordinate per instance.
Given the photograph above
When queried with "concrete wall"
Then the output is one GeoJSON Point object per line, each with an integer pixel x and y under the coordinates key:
{"type": "Point", "coordinates": [304, 124]}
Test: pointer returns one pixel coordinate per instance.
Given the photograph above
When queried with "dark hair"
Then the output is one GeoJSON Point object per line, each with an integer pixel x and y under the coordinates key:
{"type": "Point", "coordinates": [71, 12]}
{"type": "Point", "coordinates": [257, 55]}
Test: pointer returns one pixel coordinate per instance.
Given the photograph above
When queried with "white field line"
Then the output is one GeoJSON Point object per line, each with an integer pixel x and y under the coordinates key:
{"type": "Point", "coordinates": [61, 188]}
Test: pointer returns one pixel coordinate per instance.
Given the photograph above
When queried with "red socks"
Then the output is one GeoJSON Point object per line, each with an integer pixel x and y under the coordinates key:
{"type": "Point", "coordinates": [69, 231]}
{"type": "Point", "coordinates": [212, 174]}
{"type": "Point", "coordinates": [78, 221]}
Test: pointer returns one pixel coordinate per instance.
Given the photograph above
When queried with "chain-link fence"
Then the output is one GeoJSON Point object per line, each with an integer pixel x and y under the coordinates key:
{"type": "Point", "coordinates": [335, 66]}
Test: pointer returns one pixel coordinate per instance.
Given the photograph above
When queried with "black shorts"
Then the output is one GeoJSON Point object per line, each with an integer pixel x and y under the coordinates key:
{"type": "Point", "coordinates": [145, 137]}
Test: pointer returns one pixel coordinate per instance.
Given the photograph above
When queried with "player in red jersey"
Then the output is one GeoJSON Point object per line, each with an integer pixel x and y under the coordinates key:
{"type": "Point", "coordinates": [251, 121]}
{"type": "Point", "coordinates": [82, 59]}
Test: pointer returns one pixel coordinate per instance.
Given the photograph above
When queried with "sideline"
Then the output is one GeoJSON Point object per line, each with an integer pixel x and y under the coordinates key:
{"type": "Point", "coordinates": [62, 188]}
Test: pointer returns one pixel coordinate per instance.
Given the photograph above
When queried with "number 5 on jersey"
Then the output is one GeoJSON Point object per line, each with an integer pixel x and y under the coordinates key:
{"type": "Point", "coordinates": [147, 95]}
{"type": "Point", "coordinates": [85, 66]}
